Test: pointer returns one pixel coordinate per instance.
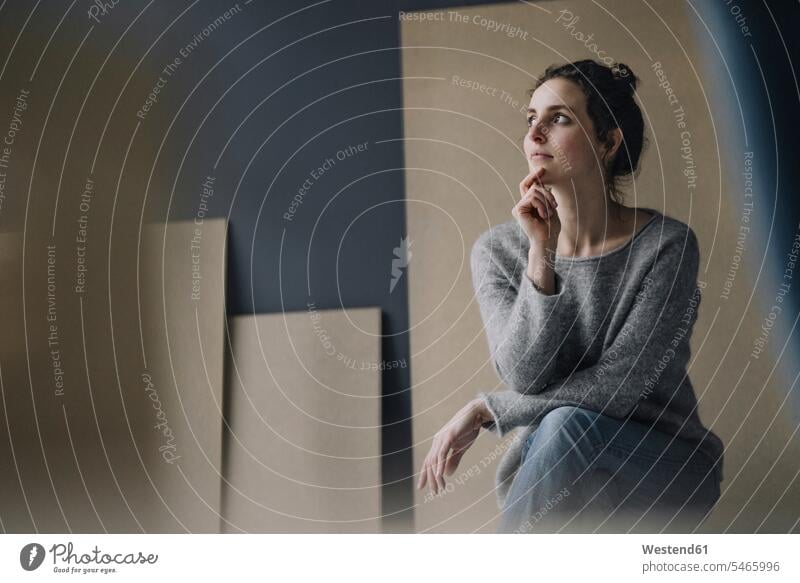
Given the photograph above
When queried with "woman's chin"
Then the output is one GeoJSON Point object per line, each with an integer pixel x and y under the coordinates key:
{"type": "Point", "coordinates": [541, 161]}
{"type": "Point", "coordinates": [552, 169]}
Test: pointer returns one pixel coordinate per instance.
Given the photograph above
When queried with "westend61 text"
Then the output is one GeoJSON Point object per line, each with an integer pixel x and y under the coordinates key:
{"type": "Point", "coordinates": [673, 550]}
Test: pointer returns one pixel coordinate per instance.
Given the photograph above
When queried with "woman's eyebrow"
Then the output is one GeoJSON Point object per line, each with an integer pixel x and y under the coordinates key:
{"type": "Point", "coordinates": [550, 108]}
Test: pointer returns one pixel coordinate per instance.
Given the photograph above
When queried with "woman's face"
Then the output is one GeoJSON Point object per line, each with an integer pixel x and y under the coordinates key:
{"type": "Point", "coordinates": [561, 136]}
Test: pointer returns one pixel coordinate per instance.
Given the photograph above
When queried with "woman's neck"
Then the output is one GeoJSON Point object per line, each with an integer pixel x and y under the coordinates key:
{"type": "Point", "coordinates": [587, 229]}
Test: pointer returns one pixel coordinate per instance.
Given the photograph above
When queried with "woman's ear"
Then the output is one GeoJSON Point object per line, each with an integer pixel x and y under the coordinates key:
{"type": "Point", "coordinates": [613, 141]}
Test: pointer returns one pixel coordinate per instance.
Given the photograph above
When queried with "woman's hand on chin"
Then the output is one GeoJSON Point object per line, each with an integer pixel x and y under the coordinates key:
{"type": "Point", "coordinates": [536, 211]}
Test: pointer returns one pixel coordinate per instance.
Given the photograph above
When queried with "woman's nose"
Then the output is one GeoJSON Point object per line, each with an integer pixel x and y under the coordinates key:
{"type": "Point", "coordinates": [538, 132]}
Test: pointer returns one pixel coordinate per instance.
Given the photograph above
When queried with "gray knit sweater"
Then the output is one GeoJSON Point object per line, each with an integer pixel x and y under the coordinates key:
{"type": "Point", "coordinates": [614, 338]}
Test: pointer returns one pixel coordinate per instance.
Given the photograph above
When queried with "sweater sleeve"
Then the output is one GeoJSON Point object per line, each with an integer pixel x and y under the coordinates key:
{"type": "Point", "coordinates": [656, 333]}
{"type": "Point", "coordinates": [522, 325]}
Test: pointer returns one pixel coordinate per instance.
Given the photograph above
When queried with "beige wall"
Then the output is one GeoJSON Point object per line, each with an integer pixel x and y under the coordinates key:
{"type": "Point", "coordinates": [464, 162]}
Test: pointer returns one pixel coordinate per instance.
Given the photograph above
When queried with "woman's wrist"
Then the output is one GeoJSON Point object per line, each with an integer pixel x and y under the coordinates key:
{"type": "Point", "coordinates": [544, 250]}
{"type": "Point", "coordinates": [480, 411]}
{"type": "Point", "coordinates": [541, 266]}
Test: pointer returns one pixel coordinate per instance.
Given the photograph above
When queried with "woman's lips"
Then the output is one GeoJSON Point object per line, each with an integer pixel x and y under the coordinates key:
{"type": "Point", "coordinates": [541, 156]}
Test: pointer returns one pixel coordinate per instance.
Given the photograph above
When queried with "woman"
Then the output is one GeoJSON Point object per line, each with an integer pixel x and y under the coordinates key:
{"type": "Point", "coordinates": [588, 307]}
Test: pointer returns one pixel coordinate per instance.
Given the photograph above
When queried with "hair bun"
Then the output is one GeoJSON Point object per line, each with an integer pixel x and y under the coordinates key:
{"type": "Point", "coordinates": [623, 73]}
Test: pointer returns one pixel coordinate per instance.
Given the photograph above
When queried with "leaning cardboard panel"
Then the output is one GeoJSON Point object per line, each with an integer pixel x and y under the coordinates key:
{"type": "Point", "coordinates": [112, 380]}
{"type": "Point", "coordinates": [466, 77]}
{"type": "Point", "coordinates": [184, 318]}
{"type": "Point", "coordinates": [302, 443]}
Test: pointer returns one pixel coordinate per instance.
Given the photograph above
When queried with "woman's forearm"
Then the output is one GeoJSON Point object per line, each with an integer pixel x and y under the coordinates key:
{"type": "Point", "coordinates": [523, 324]}
{"type": "Point", "coordinates": [541, 260]}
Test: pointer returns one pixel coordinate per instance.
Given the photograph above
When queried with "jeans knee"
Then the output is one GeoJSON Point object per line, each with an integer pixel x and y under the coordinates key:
{"type": "Point", "coordinates": [569, 417]}
{"type": "Point", "coordinates": [569, 427]}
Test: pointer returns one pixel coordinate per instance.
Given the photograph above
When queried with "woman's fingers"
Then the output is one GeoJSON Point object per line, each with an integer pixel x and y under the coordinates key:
{"type": "Point", "coordinates": [453, 460]}
{"type": "Point", "coordinates": [537, 200]}
{"type": "Point", "coordinates": [435, 480]}
{"type": "Point", "coordinates": [541, 206]}
{"type": "Point", "coordinates": [436, 467]}
{"type": "Point", "coordinates": [440, 465]}
{"type": "Point", "coordinates": [433, 464]}
{"type": "Point", "coordinates": [533, 183]}
{"type": "Point", "coordinates": [429, 477]}
{"type": "Point", "coordinates": [426, 473]}
{"type": "Point", "coordinates": [447, 448]}
{"type": "Point", "coordinates": [433, 468]}
{"type": "Point", "coordinates": [546, 204]}
{"type": "Point", "coordinates": [551, 198]}
{"type": "Point", "coordinates": [528, 181]}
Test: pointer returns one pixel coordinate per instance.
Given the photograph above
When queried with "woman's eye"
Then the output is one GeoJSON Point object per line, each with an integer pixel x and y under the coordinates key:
{"type": "Point", "coordinates": [557, 118]}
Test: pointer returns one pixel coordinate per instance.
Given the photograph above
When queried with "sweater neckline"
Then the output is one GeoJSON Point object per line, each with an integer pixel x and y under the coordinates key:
{"type": "Point", "coordinates": [653, 215]}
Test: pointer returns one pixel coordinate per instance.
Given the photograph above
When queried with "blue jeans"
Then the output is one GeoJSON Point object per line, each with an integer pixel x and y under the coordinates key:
{"type": "Point", "coordinates": [585, 472]}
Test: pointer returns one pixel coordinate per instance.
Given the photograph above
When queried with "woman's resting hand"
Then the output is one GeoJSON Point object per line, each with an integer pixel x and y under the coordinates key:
{"type": "Point", "coordinates": [450, 443]}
